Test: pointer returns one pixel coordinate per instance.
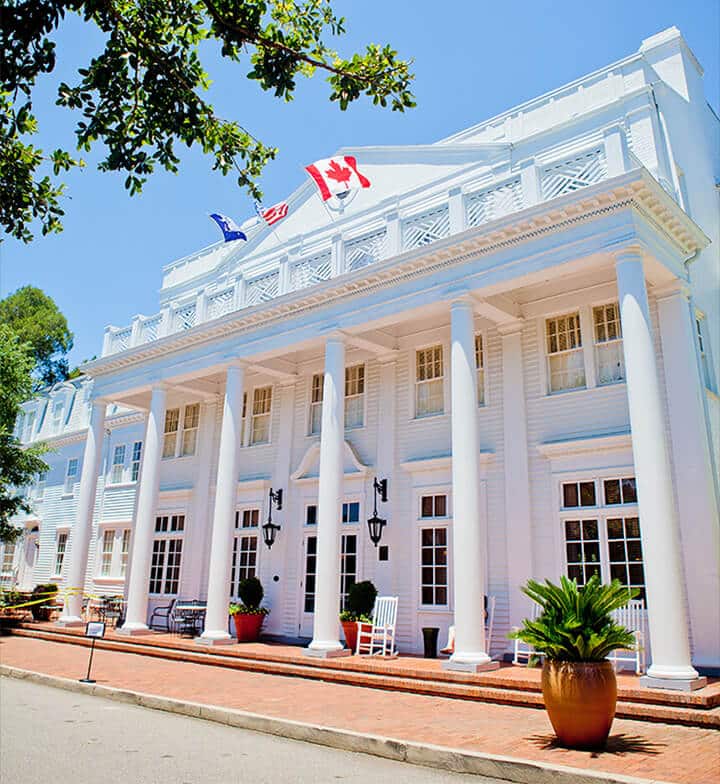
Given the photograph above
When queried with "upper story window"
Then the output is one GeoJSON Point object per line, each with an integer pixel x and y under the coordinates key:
{"type": "Point", "coordinates": [480, 366]}
{"type": "Point", "coordinates": [311, 514]}
{"type": "Point", "coordinates": [29, 431]}
{"type": "Point", "coordinates": [118, 464]}
{"type": "Point", "coordinates": [702, 344]}
{"type": "Point", "coordinates": [433, 506]}
{"type": "Point", "coordinates": [566, 364]}
{"type": "Point", "coordinates": [71, 473]}
{"type": "Point", "coordinates": [247, 518]}
{"type": "Point", "coordinates": [262, 407]}
{"type": "Point", "coordinates": [354, 399]}
{"type": "Point", "coordinates": [57, 412]}
{"type": "Point", "coordinates": [620, 491]}
{"type": "Point", "coordinates": [578, 494]}
{"type": "Point", "coordinates": [608, 344]}
{"type": "Point", "coordinates": [8, 559]}
{"type": "Point", "coordinates": [124, 551]}
{"type": "Point", "coordinates": [351, 512]}
{"type": "Point", "coordinates": [61, 546]}
{"type": "Point", "coordinates": [40, 486]}
{"type": "Point", "coordinates": [429, 381]}
{"type": "Point", "coordinates": [188, 442]}
{"type": "Point", "coordinates": [20, 425]}
{"type": "Point", "coordinates": [135, 463]}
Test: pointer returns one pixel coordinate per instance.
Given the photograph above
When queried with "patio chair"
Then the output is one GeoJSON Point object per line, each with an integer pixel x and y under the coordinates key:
{"type": "Point", "coordinates": [165, 614]}
{"type": "Point", "coordinates": [380, 639]}
{"type": "Point", "coordinates": [632, 617]}
{"type": "Point", "coordinates": [522, 650]}
{"type": "Point", "coordinates": [489, 625]}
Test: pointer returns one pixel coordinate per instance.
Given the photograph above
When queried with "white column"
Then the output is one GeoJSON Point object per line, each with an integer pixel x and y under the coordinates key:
{"type": "Point", "coordinates": [516, 476]}
{"type": "Point", "coordinates": [144, 527]}
{"type": "Point", "coordinates": [694, 474]}
{"type": "Point", "coordinates": [469, 525]}
{"type": "Point", "coordinates": [664, 584]}
{"type": "Point", "coordinates": [326, 638]}
{"type": "Point", "coordinates": [82, 530]}
{"type": "Point", "coordinates": [216, 617]}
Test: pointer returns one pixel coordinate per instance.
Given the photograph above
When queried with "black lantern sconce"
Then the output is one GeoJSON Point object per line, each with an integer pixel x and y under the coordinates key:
{"type": "Point", "coordinates": [270, 529]}
{"type": "Point", "coordinates": [375, 523]}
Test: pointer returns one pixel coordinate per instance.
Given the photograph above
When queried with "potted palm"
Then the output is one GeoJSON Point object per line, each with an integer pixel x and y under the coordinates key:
{"type": "Point", "coordinates": [575, 633]}
{"type": "Point", "coordinates": [249, 615]}
{"type": "Point", "coordinates": [358, 609]}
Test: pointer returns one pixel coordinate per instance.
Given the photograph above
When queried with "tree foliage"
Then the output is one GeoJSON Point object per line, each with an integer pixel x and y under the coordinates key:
{"type": "Point", "coordinates": [35, 318]}
{"type": "Point", "coordinates": [144, 93]}
{"type": "Point", "coordinates": [18, 465]}
{"type": "Point", "coordinates": [575, 623]}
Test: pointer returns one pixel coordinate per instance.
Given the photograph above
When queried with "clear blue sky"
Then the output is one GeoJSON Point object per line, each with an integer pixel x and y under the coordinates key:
{"type": "Point", "coordinates": [473, 59]}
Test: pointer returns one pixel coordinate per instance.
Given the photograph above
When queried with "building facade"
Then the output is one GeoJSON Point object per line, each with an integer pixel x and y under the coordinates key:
{"type": "Point", "coordinates": [514, 326]}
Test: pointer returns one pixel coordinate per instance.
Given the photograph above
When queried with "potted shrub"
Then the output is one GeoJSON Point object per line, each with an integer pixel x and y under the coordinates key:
{"type": "Point", "coordinates": [249, 615]}
{"type": "Point", "coordinates": [575, 633]}
{"type": "Point", "coordinates": [48, 592]}
{"type": "Point", "coordinates": [358, 609]}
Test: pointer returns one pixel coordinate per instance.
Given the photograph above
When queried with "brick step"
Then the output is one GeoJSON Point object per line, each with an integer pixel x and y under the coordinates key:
{"type": "Point", "coordinates": [370, 674]}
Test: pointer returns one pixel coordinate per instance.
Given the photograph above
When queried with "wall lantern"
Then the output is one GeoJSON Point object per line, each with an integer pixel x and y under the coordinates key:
{"type": "Point", "coordinates": [270, 529]}
{"type": "Point", "coordinates": [375, 523]}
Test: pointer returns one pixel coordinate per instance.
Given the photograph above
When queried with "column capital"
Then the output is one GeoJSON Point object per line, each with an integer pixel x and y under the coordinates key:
{"type": "Point", "coordinates": [627, 254]}
{"type": "Point", "coordinates": [336, 336]}
{"type": "Point", "coordinates": [237, 364]}
{"type": "Point", "coordinates": [464, 300]}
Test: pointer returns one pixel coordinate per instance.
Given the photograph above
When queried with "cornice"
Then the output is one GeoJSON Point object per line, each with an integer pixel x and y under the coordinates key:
{"type": "Point", "coordinates": [586, 445]}
{"type": "Point", "coordinates": [636, 190]}
{"type": "Point", "coordinates": [64, 439]}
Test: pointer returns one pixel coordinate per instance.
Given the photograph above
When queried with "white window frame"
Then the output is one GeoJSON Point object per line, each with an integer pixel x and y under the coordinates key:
{"type": "Point", "coordinates": [361, 369]}
{"type": "Point", "coordinates": [29, 431]}
{"type": "Point", "coordinates": [171, 428]}
{"type": "Point", "coordinates": [61, 542]}
{"type": "Point", "coordinates": [135, 460]}
{"type": "Point", "coordinates": [704, 352]}
{"type": "Point", "coordinates": [254, 417]}
{"type": "Point", "coordinates": [243, 532]}
{"type": "Point", "coordinates": [56, 421]}
{"type": "Point", "coordinates": [186, 421]}
{"type": "Point", "coordinates": [167, 536]}
{"type": "Point", "coordinates": [117, 469]}
{"type": "Point", "coordinates": [580, 350]}
{"type": "Point", "coordinates": [416, 383]}
{"type": "Point", "coordinates": [315, 398]}
{"type": "Point", "coordinates": [40, 483]}
{"type": "Point", "coordinates": [71, 478]}
{"type": "Point", "coordinates": [105, 559]}
{"type": "Point", "coordinates": [190, 430]}
{"type": "Point", "coordinates": [602, 345]}
{"type": "Point", "coordinates": [481, 355]}
{"type": "Point", "coordinates": [434, 524]}
{"type": "Point", "coordinates": [7, 565]}
{"type": "Point", "coordinates": [420, 491]}
{"type": "Point", "coordinates": [125, 541]}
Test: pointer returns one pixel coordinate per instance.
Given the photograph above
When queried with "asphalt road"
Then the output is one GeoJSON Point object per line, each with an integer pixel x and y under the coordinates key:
{"type": "Point", "coordinates": [50, 735]}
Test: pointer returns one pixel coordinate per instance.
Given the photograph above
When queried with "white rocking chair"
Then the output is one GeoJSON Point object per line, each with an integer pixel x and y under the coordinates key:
{"type": "Point", "coordinates": [489, 624]}
{"type": "Point", "coordinates": [380, 639]}
{"type": "Point", "coordinates": [522, 650]}
{"type": "Point", "coordinates": [632, 617]}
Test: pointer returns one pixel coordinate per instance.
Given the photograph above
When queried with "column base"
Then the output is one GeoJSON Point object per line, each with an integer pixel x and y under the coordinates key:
{"type": "Point", "coordinates": [456, 665]}
{"type": "Point", "coordinates": [326, 653]}
{"type": "Point", "coordinates": [133, 629]}
{"type": "Point", "coordinates": [221, 639]}
{"type": "Point", "coordinates": [676, 684]}
{"type": "Point", "coordinates": [69, 620]}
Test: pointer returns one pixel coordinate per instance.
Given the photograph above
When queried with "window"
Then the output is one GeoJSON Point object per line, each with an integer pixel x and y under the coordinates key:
{"type": "Point", "coordinates": [40, 487]}
{"type": "Point", "coordinates": [262, 405]}
{"type": "Point", "coordinates": [316, 397]}
{"type": "Point", "coordinates": [608, 344]}
{"type": "Point", "coordinates": [354, 399]}
{"type": "Point", "coordinates": [57, 411]}
{"type": "Point", "coordinates": [135, 464]}
{"type": "Point", "coordinates": [244, 416]}
{"type": "Point", "coordinates": [29, 426]}
{"type": "Point", "coordinates": [310, 574]}
{"type": "Point", "coordinates": [348, 566]}
{"type": "Point", "coordinates": [702, 350]}
{"type": "Point", "coordinates": [118, 464]}
{"type": "Point", "coordinates": [566, 364]}
{"type": "Point", "coordinates": [249, 518]}
{"type": "Point", "coordinates": [433, 506]}
{"type": "Point", "coordinates": [608, 543]}
{"type": "Point", "coordinates": [311, 515]}
{"type": "Point", "coordinates": [108, 542]}
{"type": "Point", "coordinates": [190, 429]}
{"type": "Point", "coordinates": [172, 420]}
{"type": "Point", "coordinates": [20, 425]}
{"type": "Point", "coordinates": [433, 566]}
{"type": "Point", "coordinates": [620, 491]}
{"type": "Point", "coordinates": [124, 552]}
{"type": "Point", "coordinates": [167, 554]}
{"type": "Point", "coordinates": [354, 396]}
{"type": "Point", "coordinates": [429, 374]}
{"type": "Point", "coordinates": [244, 562]}
{"type": "Point", "coordinates": [351, 512]}
{"type": "Point", "coordinates": [577, 494]}
{"type": "Point", "coordinates": [8, 559]}
{"type": "Point", "coordinates": [480, 366]}
{"type": "Point", "coordinates": [60, 553]}
{"type": "Point", "coordinates": [71, 475]}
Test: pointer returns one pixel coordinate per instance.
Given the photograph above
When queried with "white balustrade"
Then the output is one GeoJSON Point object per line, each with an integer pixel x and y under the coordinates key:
{"type": "Point", "coordinates": [308, 272]}
{"type": "Point", "coordinates": [365, 250]}
{"type": "Point", "coordinates": [570, 175]}
{"type": "Point", "coordinates": [426, 228]}
{"type": "Point", "coordinates": [494, 203]}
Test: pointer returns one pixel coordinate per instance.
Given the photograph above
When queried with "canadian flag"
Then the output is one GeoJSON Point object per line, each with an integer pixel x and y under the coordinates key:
{"type": "Point", "coordinates": [337, 175]}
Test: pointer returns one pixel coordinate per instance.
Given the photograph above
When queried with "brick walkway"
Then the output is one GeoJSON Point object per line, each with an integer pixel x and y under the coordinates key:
{"type": "Point", "coordinates": [661, 752]}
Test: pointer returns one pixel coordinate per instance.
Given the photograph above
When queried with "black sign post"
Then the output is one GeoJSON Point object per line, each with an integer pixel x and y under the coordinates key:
{"type": "Point", "coordinates": [94, 630]}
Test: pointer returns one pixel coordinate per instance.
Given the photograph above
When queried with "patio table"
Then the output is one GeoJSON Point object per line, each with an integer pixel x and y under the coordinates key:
{"type": "Point", "coordinates": [190, 617]}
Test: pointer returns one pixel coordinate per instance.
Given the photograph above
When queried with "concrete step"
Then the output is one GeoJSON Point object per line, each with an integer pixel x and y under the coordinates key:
{"type": "Point", "coordinates": [391, 676]}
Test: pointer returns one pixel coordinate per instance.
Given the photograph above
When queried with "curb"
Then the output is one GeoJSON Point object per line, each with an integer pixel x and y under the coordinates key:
{"type": "Point", "coordinates": [512, 769]}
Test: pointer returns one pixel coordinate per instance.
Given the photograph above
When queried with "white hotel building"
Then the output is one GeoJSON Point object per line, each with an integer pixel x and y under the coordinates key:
{"type": "Point", "coordinates": [514, 326]}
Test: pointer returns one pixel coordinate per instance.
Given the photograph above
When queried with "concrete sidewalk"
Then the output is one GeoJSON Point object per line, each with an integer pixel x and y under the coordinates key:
{"type": "Point", "coordinates": [511, 743]}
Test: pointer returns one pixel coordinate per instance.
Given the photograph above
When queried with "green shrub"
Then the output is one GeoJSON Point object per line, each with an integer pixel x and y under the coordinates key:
{"type": "Point", "coordinates": [48, 592]}
{"type": "Point", "coordinates": [575, 623]}
{"type": "Point", "coordinates": [251, 595]}
{"type": "Point", "coordinates": [360, 602]}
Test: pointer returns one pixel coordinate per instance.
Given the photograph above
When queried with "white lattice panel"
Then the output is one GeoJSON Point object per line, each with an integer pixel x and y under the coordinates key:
{"type": "Point", "coordinates": [219, 304]}
{"type": "Point", "coordinates": [573, 174]}
{"type": "Point", "coordinates": [121, 341]}
{"type": "Point", "coordinates": [186, 317]}
{"type": "Point", "coordinates": [262, 289]}
{"type": "Point", "coordinates": [426, 228]}
{"type": "Point", "coordinates": [150, 328]}
{"type": "Point", "coordinates": [310, 271]}
{"type": "Point", "coordinates": [494, 203]}
{"type": "Point", "coordinates": [366, 250]}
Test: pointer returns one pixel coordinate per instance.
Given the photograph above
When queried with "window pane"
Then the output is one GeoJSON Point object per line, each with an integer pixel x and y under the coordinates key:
{"type": "Point", "coordinates": [632, 527]}
{"type": "Point", "coordinates": [629, 491]}
{"type": "Point", "coordinates": [572, 529]}
{"type": "Point", "coordinates": [616, 551]}
{"type": "Point", "coordinates": [590, 529]}
{"type": "Point", "coordinates": [615, 528]}
{"type": "Point", "coordinates": [427, 537]}
{"type": "Point", "coordinates": [570, 496]}
{"type": "Point", "coordinates": [587, 493]}
{"type": "Point", "coordinates": [574, 552]}
{"type": "Point", "coordinates": [440, 505]}
{"type": "Point", "coordinates": [612, 491]}
{"type": "Point", "coordinates": [427, 506]}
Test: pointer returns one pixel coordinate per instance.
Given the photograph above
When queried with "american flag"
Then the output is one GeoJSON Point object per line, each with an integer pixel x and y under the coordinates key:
{"type": "Point", "coordinates": [273, 214]}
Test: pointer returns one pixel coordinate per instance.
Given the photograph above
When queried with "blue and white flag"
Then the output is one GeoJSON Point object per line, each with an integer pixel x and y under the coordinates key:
{"type": "Point", "coordinates": [230, 229]}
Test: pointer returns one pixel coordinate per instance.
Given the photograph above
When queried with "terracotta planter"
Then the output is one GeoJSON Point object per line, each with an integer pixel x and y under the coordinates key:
{"type": "Point", "coordinates": [350, 628]}
{"type": "Point", "coordinates": [247, 626]}
{"type": "Point", "coordinates": [580, 699]}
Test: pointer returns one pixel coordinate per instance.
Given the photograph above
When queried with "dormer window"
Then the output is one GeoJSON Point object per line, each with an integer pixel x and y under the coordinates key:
{"type": "Point", "coordinates": [57, 412]}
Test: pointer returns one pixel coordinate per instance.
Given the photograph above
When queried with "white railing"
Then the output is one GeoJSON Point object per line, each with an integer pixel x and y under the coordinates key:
{"type": "Point", "coordinates": [480, 206]}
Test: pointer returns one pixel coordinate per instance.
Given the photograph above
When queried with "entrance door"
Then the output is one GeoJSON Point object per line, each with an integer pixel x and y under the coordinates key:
{"type": "Point", "coordinates": [26, 576]}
